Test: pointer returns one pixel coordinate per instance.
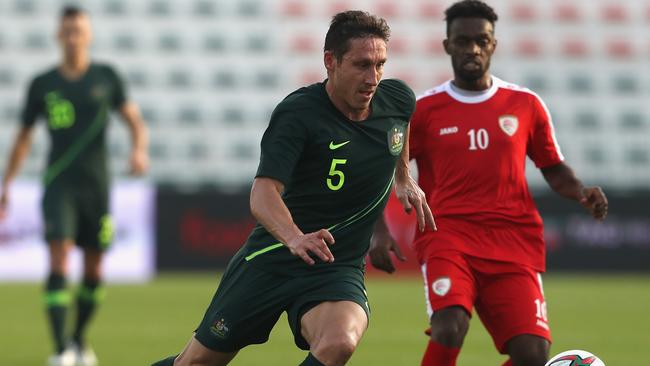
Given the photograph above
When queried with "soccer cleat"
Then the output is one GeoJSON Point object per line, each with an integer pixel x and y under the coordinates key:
{"type": "Point", "coordinates": [84, 356]}
{"type": "Point", "coordinates": [65, 358]}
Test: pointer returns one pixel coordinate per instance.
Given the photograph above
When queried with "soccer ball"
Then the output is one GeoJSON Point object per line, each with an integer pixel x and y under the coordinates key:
{"type": "Point", "coordinates": [575, 357]}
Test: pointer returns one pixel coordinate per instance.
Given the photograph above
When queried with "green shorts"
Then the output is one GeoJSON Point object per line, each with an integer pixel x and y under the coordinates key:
{"type": "Point", "coordinates": [78, 214]}
{"type": "Point", "coordinates": [249, 301]}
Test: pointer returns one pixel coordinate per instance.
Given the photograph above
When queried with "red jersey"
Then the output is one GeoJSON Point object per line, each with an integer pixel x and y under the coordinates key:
{"type": "Point", "coordinates": [471, 156]}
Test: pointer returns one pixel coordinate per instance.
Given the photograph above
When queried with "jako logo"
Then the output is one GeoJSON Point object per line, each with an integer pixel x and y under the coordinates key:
{"type": "Point", "coordinates": [448, 130]}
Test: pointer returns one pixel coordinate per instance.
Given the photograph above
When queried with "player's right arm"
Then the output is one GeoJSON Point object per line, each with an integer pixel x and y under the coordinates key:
{"type": "Point", "coordinates": [22, 143]}
{"type": "Point", "coordinates": [19, 152]}
{"type": "Point", "coordinates": [269, 209]}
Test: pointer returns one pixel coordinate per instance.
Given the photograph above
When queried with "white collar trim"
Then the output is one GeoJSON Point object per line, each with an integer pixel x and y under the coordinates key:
{"type": "Point", "coordinates": [482, 97]}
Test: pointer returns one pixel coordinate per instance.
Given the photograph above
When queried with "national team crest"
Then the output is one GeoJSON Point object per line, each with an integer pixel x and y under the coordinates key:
{"type": "Point", "coordinates": [441, 286]}
{"type": "Point", "coordinates": [220, 329]}
{"type": "Point", "coordinates": [509, 124]}
{"type": "Point", "coordinates": [396, 139]}
{"type": "Point", "coordinates": [98, 92]}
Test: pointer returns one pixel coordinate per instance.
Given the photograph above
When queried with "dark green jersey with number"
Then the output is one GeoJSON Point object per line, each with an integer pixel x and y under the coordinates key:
{"type": "Point", "coordinates": [337, 173]}
{"type": "Point", "coordinates": [77, 113]}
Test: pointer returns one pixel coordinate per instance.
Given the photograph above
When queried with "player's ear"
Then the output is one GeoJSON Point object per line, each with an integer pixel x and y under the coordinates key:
{"type": "Point", "coordinates": [445, 45]}
{"type": "Point", "coordinates": [329, 60]}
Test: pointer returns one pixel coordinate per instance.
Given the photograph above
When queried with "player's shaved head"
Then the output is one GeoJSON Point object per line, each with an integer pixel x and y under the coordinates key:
{"type": "Point", "coordinates": [470, 9]}
{"type": "Point", "coordinates": [70, 11]}
{"type": "Point", "coordinates": [353, 24]}
{"type": "Point", "coordinates": [74, 33]}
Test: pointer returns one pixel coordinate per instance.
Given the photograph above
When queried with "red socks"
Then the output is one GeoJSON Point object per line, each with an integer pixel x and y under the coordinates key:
{"type": "Point", "coordinates": [439, 355]}
{"type": "Point", "coordinates": [507, 363]}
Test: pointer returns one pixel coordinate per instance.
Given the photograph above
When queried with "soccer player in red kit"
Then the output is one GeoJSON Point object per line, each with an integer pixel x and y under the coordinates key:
{"type": "Point", "coordinates": [470, 137]}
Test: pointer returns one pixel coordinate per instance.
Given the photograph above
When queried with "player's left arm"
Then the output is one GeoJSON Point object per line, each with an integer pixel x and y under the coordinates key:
{"type": "Point", "coordinates": [381, 244]}
{"type": "Point", "coordinates": [563, 180]}
{"type": "Point", "coordinates": [408, 191]}
{"type": "Point", "coordinates": [139, 159]}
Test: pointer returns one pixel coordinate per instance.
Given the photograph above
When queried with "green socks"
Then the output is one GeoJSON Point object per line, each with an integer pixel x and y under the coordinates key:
{"type": "Point", "coordinates": [311, 361]}
{"type": "Point", "coordinates": [57, 300]}
{"type": "Point", "coordinates": [89, 296]}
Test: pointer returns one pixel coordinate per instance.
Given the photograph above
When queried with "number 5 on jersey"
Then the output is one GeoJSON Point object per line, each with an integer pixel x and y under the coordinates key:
{"type": "Point", "coordinates": [336, 175]}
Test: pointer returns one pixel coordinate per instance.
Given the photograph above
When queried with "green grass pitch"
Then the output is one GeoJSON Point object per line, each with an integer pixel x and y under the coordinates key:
{"type": "Point", "coordinates": [138, 324]}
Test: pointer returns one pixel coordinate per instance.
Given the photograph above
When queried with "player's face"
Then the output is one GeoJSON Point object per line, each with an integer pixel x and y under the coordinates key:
{"type": "Point", "coordinates": [75, 34]}
{"type": "Point", "coordinates": [470, 44]}
{"type": "Point", "coordinates": [354, 79]}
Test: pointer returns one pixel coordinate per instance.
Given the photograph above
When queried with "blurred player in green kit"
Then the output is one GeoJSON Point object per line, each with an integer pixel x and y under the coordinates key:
{"type": "Point", "coordinates": [76, 98]}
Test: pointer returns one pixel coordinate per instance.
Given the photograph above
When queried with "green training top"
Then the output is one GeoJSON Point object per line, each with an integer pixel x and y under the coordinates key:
{"type": "Point", "coordinates": [337, 173]}
{"type": "Point", "coordinates": [77, 114]}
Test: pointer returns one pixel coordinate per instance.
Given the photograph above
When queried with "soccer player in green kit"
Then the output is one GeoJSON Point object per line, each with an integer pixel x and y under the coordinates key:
{"type": "Point", "coordinates": [330, 155]}
{"type": "Point", "coordinates": [75, 97]}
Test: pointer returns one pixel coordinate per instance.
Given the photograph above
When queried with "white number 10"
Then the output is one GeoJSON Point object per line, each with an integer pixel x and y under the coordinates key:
{"type": "Point", "coordinates": [479, 137]}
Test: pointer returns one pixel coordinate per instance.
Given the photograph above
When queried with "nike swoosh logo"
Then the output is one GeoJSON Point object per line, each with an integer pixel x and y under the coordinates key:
{"type": "Point", "coordinates": [334, 146]}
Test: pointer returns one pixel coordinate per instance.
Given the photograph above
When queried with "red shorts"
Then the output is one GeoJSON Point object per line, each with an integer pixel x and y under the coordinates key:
{"type": "Point", "coordinates": [508, 297]}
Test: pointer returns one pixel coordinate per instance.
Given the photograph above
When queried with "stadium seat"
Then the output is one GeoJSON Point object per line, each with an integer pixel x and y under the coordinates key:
{"type": "Point", "coordinates": [574, 48]}
{"type": "Point", "coordinates": [169, 42]}
{"type": "Point", "coordinates": [250, 8]}
{"type": "Point", "coordinates": [529, 47]}
{"type": "Point", "coordinates": [137, 78]}
{"type": "Point", "coordinates": [125, 42]}
{"type": "Point", "coordinates": [620, 48]}
{"type": "Point", "coordinates": [7, 78]}
{"type": "Point", "coordinates": [523, 12]}
{"type": "Point", "coordinates": [431, 10]}
{"type": "Point", "coordinates": [536, 82]}
{"type": "Point", "coordinates": [595, 156]}
{"type": "Point", "coordinates": [189, 115]}
{"type": "Point", "coordinates": [304, 44]}
{"type": "Point", "coordinates": [258, 43]}
{"type": "Point", "coordinates": [115, 8]}
{"type": "Point", "coordinates": [581, 84]}
{"type": "Point", "coordinates": [160, 8]}
{"type": "Point", "coordinates": [267, 79]}
{"type": "Point", "coordinates": [567, 12]}
{"type": "Point", "coordinates": [399, 46]}
{"type": "Point", "coordinates": [614, 13]}
{"type": "Point", "coordinates": [338, 6]}
{"type": "Point", "coordinates": [434, 46]}
{"type": "Point", "coordinates": [36, 41]}
{"type": "Point", "coordinates": [205, 8]}
{"type": "Point", "coordinates": [387, 9]}
{"type": "Point", "coordinates": [213, 42]}
{"type": "Point", "coordinates": [625, 84]}
{"type": "Point", "coordinates": [25, 7]}
{"type": "Point", "coordinates": [632, 121]}
{"type": "Point", "coordinates": [224, 79]}
{"type": "Point", "coordinates": [637, 156]}
{"type": "Point", "coordinates": [233, 115]}
{"type": "Point", "coordinates": [294, 9]}
{"type": "Point", "coordinates": [180, 78]}
{"type": "Point", "coordinates": [587, 121]}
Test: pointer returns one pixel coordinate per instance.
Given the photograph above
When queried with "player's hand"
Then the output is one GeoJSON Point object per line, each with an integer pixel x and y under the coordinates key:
{"type": "Point", "coordinates": [4, 203]}
{"type": "Point", "coordinates": [381, 244]}
{"type": "Point", "coordinates": [594, 200]}
{"type": "Point", "coordinates": [315, 243]}
{"type": "Point", "coordinates": [139, 162]}
{"type": "Point", "coordinates": [411, 196]}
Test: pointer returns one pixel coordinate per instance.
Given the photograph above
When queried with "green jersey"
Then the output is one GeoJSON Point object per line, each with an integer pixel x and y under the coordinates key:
{"type": "Point", "coordinates": [337, 173]}
{"type": "Point", "coordinates": [77, 113]}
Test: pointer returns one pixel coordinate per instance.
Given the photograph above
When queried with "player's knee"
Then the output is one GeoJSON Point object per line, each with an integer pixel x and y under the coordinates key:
{"type": "Point", "coordinates": [449, 326]}
{"type": "Point", "coordinates": [528, 350]}
{"type": "Point", "coordinates": [336, 349]}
